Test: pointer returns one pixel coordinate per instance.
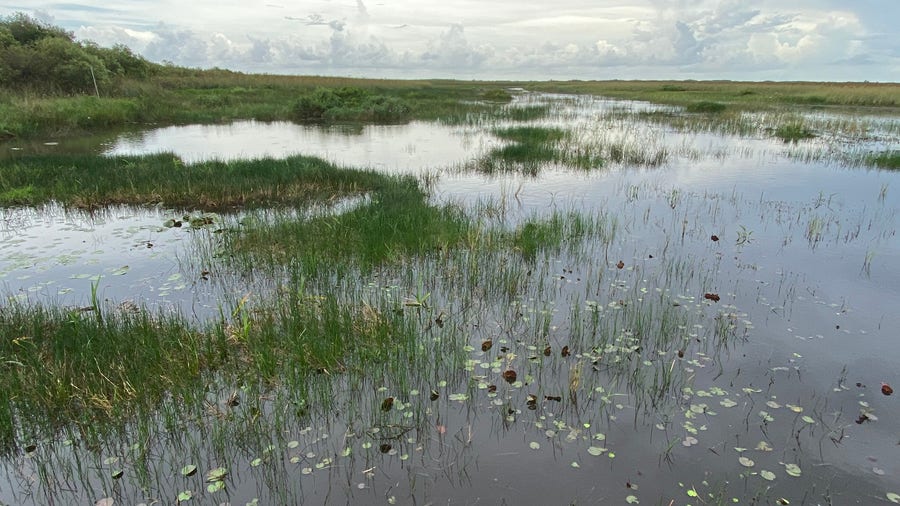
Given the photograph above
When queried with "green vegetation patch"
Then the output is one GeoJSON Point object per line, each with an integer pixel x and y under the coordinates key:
{"type": "Point", "coordinates": [90, 182]}
{"type": "Point", "coordinates": [793, 132]}
{"type": "Point", "coordinates": [884, 160]}
{"type": "Point", "coordinates": [62, 365]}
{"type": "Point", "coordinates": [705, 107]}
{"type": "Point", "coordinates": [396, 221]}
{"type": "Point", "coordinates": [350, 104]}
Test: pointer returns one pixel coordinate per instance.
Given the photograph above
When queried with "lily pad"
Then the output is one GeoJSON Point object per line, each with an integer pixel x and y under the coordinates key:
{"type": "Point", "coordinates": [215, 486]}
{"type": "Point", "coordinates": [746, 462]}
{"type": "Point", "coordinates": [185, 496]}
{"type": "Point", "coordinates": [189, 470]}
{"type": "Point", "coordinates": [217, 474]}
{"type": "Point", "coordinates": [767, 475]}
{"type": "Point", "coordinates": [597, 450]}
{"type": "Point", "coordinates": [792, 470]}
{"type": "Point", "coordinates": [894, 498]}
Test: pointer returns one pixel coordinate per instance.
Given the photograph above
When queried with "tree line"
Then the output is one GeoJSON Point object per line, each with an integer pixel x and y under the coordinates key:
{"type": "Point", "coordinates": [36, 56]}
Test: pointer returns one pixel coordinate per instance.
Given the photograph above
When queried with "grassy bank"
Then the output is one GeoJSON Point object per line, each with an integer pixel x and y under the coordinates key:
{"type": "Point", "coordinates": [177, 96]}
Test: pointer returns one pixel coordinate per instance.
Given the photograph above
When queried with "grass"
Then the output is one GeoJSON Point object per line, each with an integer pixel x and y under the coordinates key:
{"type": "Point", "coordinates": [884, 160]}
{"type": "Point", "coordinates": [181, 96]}
{"type": "Point", "coordinates": [793, 132]}
{"type": "Point", "coordinates": [745, 95]}
{"type": "Point", "coordinates": [396, 222]}
{"type": "Point", "coordinates": [91, 182]}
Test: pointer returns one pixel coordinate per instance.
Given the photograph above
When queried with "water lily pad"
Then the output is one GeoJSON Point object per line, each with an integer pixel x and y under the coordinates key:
{"type": "Point", "coordinates": [808, 419]}
{"type": "Point", "coordinates": [596, 450]}
{"type": "Point", "coordinates": [792, 470]}
{"type": "Point", "coordinates": [534, 445]}
{"type": "Point", "coordinates": [632, 500]}
{"type": "Point", "coordinates": [108, 501]}
{"type": "Point", "coordinates": [189, 470]}
{"type": "Point", "coordinates": [185, 496]}
{"type": "Point", "coordinates": [767, 475]}
{"type": "Point", "coordinates": [217, 474]}
{"type": "Point", "coordinates": [215, 486]}
{"type": "Point", "coordinates": [746, 462]}
{"type": "Point", "coordinates": [894, 498]}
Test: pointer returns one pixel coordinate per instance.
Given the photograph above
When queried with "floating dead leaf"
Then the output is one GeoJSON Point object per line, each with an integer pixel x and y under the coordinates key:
{"type": "Point", "coordinates": [232, 399]}
{"type": "Point", "coordinates": [680, 353]}
{"type": "Point", "coordinates": [547, 351]}
{"type": "Point", "coordinates": [509, 375]}
{"type": "Point", "coordinates": [712, 296]}
{"type": "Point", "coordinates": [384, 447]}
{"type": "Point", "coordinates": [714, 238]}
{"type": "Point", "coordinates": [555, 398]}
{"type": "Point", "coordinates": [886, 389]}
{"type": "Point", "coordinates": [532, 402]}
{"type": "Point", "coordinates": [491, 388]}
{"type": "Point", "coordinates": [485, 346]}
{"type": "Point", "coordinates": [620, 265]}
{"type": "Point", "coordinates": [387, 404]}
{"type": "Point", "coordinates": [434, 395]}
{"type": "Point", "coordinates": [565, 351]}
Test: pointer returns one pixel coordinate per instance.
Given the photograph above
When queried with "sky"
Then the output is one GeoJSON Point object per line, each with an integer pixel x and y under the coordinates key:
{"type": "Point", "coordinates": [818, 40]}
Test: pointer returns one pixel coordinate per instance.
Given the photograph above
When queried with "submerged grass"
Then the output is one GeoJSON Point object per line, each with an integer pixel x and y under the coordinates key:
{"type": "Point", "coordinates": [90, 182]}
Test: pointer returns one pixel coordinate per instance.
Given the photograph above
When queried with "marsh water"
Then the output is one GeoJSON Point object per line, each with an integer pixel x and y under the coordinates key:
{"type": "Point", "coordinates": [772, 391]}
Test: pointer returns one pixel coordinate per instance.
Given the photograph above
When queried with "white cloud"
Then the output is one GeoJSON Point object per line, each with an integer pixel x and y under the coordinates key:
{"type": "Point", "coordinates": [787, 39]}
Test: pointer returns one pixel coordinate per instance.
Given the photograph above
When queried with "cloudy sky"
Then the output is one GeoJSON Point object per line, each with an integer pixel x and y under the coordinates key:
{"type": "Point", "coordinates": [496, 39]}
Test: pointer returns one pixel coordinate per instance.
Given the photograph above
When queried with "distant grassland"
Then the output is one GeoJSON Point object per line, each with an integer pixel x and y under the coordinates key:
{"type": "Point", "coordinates": [180, 96]}
{"type": "Point", "coordinates": [747, 95]}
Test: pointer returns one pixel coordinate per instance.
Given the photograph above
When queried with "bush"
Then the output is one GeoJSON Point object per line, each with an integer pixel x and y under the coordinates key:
{"type": "Point", "coordinates": [40, 57]}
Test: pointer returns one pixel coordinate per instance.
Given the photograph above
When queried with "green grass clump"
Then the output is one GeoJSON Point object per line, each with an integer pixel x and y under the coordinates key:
{"type": "Point", "coordinates": [531, 148]}
{"type": "Point", "coordinates": [90, 182]}
{"type": "Point", "coordinates": [61, 365]}
{"type": "Point", "coordinates": [497, 95]}
{"type": "Point", "coordinates": [396, 222]}
{"type": "Point", "coordinates": [350, 104]}
{"type": "Point", "coordinates": [884, 160]}
{"type": "Point", "coordinates": [793, 132]}
{"type": "Point", "coordinates": [705, 107]}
